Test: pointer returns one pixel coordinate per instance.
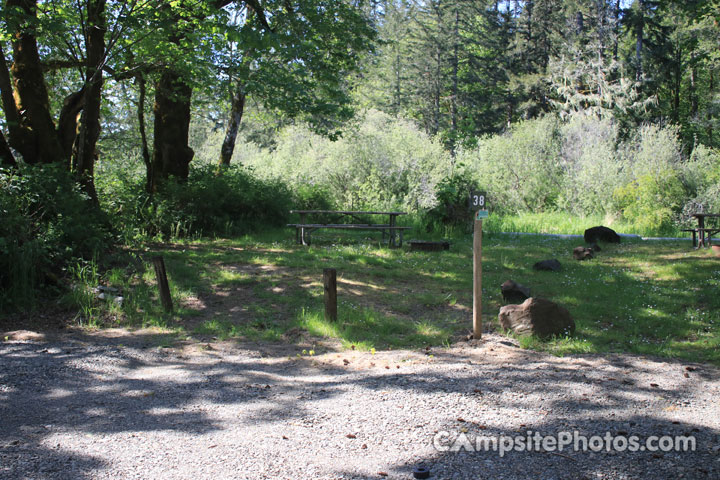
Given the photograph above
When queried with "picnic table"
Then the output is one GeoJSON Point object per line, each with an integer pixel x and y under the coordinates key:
{"type": "Point", "coordinates": [346, 220]}
{"type": "Point", "coordinates": [702, 232]}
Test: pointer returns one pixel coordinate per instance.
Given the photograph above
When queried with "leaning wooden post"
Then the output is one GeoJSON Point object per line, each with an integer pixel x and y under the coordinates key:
{"type": "Point", "coordinates": [163, 286]}
{"type": "Point", "coordinates": [477, 279]}
{"type": "Point", "coordinates": [330, 285]}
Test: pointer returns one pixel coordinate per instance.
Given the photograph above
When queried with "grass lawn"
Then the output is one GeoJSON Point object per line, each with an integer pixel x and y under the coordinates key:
{"type": "Point", "coordinates": [657, 298]}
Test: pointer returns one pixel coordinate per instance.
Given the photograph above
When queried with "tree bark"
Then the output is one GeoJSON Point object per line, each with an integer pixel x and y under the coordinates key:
{"type": "Point", "coordinates": [89, 128]}
{"type": "Point", "coordinates": [693, 88]}
{"type": "Point", "coordinates": [38, 141]}
{"type": "Point", "coordinates": [142, 86]}
{"type": "Point", "coordinates": [171, 153]}
{"type": "Point", "coordinates": [7, 159]}
{"type": "Point", "coordinates": [639, 41]}
{"type": "Point", "coordinates": [709, 114]}
{"type": "Point", "coordinates": [455, 64]}
{"type": "Point", "coordinates": [68, 122]}
{"type": "Point", "coordinates": [236, 113]}
{"type": "Point", "coordinates": [616, 29]}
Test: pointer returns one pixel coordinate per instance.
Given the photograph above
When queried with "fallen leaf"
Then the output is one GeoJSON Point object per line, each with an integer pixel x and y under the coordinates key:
{"type": "Point", "coordinates": [460, 419]}
{"type": "Point", "coordinates": [686, 375]}
{"type": "Point", "coordinates": [364, 446]}
{"type": "Point", "coordinates": [285, 438]}
{"type": "Point", "coordinates": [212, 446]}
{"type": "Point", "coordinates": [350, 435]}
{"type": "Point", "coordinates": [654, 385]}
{"type": "Point", "coordinates": [383, 474]}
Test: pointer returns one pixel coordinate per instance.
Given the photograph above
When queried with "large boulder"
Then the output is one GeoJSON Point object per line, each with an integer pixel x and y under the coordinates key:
{"type": "Point", "coordinates": [537, 316]}
{"type": "Point", "coordinates": [513, 292]}
{"type": "Point", "coordinates": [583, 253]}
{"type": "Point", "coordinates": [551, 265]}
{"type": "Point", "coordinates": [601, 234]}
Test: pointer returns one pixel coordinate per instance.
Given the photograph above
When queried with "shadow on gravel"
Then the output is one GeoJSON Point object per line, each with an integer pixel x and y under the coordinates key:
{"type": "Point", "coordinates": [80, 392]}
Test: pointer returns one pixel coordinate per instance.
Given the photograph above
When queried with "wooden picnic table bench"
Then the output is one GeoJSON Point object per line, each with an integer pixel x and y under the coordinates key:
{"type": "Point", "coordinates": [702, 232]}
{"type": "Point", "coordinates": [304, 229]}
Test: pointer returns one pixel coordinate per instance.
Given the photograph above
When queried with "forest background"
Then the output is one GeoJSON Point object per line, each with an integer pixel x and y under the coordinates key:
{"type": "Point", "coordinates": [127, 122]}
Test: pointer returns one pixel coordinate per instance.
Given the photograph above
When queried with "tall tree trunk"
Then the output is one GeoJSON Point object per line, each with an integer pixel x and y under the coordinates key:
{"type": "Point", "coordinates": [616, 30]}
{"type": "Point", "coordinates": [39, 141]}
{"type": "Point", "coordinates": [68, 121]}
{"type": "Point", "coordinates": [7, 159]}
{"type": "Point", "coordinates": [711, 92]}
{"type": "Point", "coordinates": [455, 64]}
{"type": "Point", "coordinates": [89, 129]}
{"type": "Point", "coordinates": [693, 88]}
{"type": "Point", "coordinates": [436, 94]}
{"type": "Point", "coordinates": [171, 153]}
{"type": "Point", "coordinates": [236, 113]}
{"type": "Point", "coordinates": [639, 41]}
{"type": "Point", "coordinates": [12, 118]}
{"type": "Point", "coordinates": [142, 86]}
{"type": "Point", "coordinates": [677, 83]}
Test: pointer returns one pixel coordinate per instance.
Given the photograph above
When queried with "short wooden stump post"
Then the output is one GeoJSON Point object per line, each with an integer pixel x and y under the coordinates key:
{"type": "Point", "coordinates": [330, 286]}
{"type": "Point", "coordinates": [163, 285]}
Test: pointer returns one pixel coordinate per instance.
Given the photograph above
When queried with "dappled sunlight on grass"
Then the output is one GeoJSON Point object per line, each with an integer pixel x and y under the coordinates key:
{"type": "Point", "coordinates": [366, 328]}
{"type": "Point", "coordinates": [656, 298]}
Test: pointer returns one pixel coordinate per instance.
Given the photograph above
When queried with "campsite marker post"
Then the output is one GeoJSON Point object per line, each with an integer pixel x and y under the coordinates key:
{"type": "Point", "coordinates": [479, 206]}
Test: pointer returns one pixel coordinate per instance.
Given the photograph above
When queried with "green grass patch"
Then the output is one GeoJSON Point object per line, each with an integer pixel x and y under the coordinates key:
{"type": "Point", "coordinates": [644, 297]}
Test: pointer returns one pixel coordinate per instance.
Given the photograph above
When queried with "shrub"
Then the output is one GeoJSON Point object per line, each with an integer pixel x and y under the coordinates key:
{"type": "Point", "coordinates": [313, 197]}
{"type": "Point", "coordinates": [232, 202]}
{"type": "Point", "coordinates": [591, 168]}
{"type": "Point", "coordinates": [521, 168]}
{"type": "Point", "coordinates": [452, 203]}
{"type": "Point", "coordinates": [654, 196]}
{"type": "Point", "coordinates": [47, 222]}
{"type": "Point", "coordinates": [702, 181]}
{"type": "Point", "coordinates": [385, 163]}
{"type": "Point", "coordinates": [651, 202]}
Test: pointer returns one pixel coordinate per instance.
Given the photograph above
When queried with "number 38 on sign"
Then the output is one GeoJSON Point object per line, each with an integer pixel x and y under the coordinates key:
{"type": "Point", "coordinates": [478, 203]}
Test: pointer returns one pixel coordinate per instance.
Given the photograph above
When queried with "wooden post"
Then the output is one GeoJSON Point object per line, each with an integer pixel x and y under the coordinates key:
{"type": "Point", "coordinates": [330, 284]}
{"type": "Point", "coordinates": [477, 279]}
{"type": "Point", "coordinates": [163, 286]}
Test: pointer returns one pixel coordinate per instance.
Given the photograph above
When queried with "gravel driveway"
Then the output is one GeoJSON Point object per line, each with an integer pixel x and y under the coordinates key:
{"type": "Point", "coordinates": [92, 406]}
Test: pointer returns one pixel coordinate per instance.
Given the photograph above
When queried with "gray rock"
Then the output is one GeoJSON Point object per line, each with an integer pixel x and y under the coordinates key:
{"type": "Point", "coordinates": [513, 292]}
{"type": "Point", "coordinates": [537, 316]}
{"type": "Point", "coordinates": [551, 265]}
{"type": "Point", "coordinates": [583, 253]}
{"type": "Point", "coordinates": [601, 234]}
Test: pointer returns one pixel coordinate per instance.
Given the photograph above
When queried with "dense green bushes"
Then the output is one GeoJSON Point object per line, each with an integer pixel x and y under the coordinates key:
{"type": "Point", "coordinates": [46, 223]}
{"type": "Point", "coordinates": [574, 168]}
{"type": "Point", "coordinates": [232, 201]}
{"type": "Point", "coordinates": [384, 163]}
{"type": "Point", "coordinates": [579, 166]}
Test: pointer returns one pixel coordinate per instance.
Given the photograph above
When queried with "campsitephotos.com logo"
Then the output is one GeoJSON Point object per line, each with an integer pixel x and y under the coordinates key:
{"type": "Point", "coordinates": [446, 441]}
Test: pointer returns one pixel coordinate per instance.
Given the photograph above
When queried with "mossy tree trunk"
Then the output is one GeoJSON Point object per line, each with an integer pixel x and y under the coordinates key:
{"type": "Point", "coordinates": [236, 113]}
{"type": "Point", "coordinates": [171, 153]}
{"type": "Point", "coordinates": [32, 131]}
{"type": "Point", "coordinates": [84, 154]}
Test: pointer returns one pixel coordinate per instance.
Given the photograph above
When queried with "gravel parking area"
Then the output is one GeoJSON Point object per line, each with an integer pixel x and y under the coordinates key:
{"type": "Point", "coordinates": [116, 405]}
